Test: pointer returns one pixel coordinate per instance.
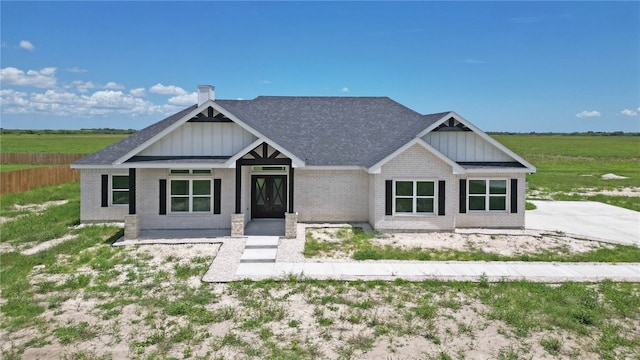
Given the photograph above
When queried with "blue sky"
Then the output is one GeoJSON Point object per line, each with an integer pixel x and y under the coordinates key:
{"type": "Point", "coordinates": [504, 66]}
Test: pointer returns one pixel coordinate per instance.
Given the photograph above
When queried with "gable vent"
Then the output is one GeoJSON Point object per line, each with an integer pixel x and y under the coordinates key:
{"type": "Point", "coordinates": [452, 125]}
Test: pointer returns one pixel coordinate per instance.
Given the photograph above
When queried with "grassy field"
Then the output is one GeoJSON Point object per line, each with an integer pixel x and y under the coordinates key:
{"type": "Point", "coordinates": [14, 167]}
{"type": "Point", "coordinates": [570, 166]}
{"type": "Point", "coordinates": [83, 299]}
{"type": "Point", "coordinates": [56, 143]}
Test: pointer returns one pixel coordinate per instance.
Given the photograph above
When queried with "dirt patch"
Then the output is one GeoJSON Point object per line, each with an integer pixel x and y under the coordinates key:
{"type": "Point", "coordinates": [31, 208]}
{"type": "Point", "coordinates": [611, 176]}
{"type": "Point", "coordinates": [502, 244]}
{"type": "Point", "coordinates": [506, 245]}
{"type": "Point", "coordinates": [47, 244]}
{"type": "Point", "coordinates": [139, 307]}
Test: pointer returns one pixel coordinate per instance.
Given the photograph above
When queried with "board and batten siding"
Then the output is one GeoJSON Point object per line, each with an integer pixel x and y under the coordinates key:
{"type": "Point", "coordinates": [465, 146]}
{"type": "Point", "coordinates": [202, 139]}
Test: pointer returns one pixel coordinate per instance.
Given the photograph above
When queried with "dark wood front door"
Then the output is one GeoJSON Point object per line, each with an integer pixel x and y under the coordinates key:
{"type": "Point", "coordinates": [268, 196]}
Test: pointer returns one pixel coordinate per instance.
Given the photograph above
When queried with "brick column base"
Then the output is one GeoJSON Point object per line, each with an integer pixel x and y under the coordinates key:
{"type": "Point", "coordinates": [237, 225]}
{"type": "Point", "coordinates": [291, 225]}
{"type": "Point", "coordinates": [131, 227]}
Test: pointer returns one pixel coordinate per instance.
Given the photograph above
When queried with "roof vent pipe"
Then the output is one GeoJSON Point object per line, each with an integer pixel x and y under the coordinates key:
{"type": "Point", "coordinates": [205, 92]}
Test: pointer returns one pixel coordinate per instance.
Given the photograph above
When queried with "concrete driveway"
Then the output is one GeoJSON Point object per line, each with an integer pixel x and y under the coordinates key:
{"type": "Point", "coordinates": [590, 219]}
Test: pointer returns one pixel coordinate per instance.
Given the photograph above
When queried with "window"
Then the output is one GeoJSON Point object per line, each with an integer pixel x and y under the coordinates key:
{"type": "Point", "coordinates": [187, 172]}
{"type": "Point", "coordinates": [119, 189]}
{"type": "Point", "coordinates": [414, 197]}
{"type": "Point", "coordinates": [269, 168]}
{"type": "Point", "coordinates": [487, 195]}
{"type": "Point", "coordinates": [190, 196]}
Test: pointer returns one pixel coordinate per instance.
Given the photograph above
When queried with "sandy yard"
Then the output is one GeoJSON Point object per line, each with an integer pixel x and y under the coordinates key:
{"type": "Point", "coordinates": [149, 300]}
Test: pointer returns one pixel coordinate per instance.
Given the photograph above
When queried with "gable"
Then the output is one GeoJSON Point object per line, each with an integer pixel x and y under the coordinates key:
{"type": "Point", "coordinates": [202, 139]}
{"type": "Point", "coordinates": [462, 142]}
{"type": "Point", "coordinates": [465, 146]}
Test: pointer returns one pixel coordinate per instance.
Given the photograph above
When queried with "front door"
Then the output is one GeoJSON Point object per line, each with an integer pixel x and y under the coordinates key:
{"type": "Point", "coordinates": [268, 196]}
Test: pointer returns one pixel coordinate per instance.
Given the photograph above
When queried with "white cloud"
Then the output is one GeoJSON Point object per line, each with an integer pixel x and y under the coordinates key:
{"type": "Point", "coordinates": [11, 97]}
{"type": "Point", "coordinates": [82, 86]}
{"type": "Point", "coordinates": [26, 45]}
{"type": "Point", "coordinates": [627, 112]}
{"type": "Point", "coordinates": [167, 90]}
{"type": "Point", "coordinates": [184, 100]}
{"type": "Point", "coordinates": [138, 92]}
{"type": "Point", "coordinates": [344, 89]}
{"type": "Point", "coordinates": [588, 114]}
{"type": "Point", "coordinates": [266, 82]}
{"type": "Point", "coordinates": [44, 78]}
{"type": "Point", "coordinates": [76, 69]}
{"type": "Point", "coordinates": [83, 98]}
{"type": "Point", "coordinates": [61, 102]}
{"type": "Point", "coordinates": [113, 86]}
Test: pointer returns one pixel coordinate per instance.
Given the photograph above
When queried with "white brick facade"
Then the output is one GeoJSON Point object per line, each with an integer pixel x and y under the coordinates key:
{"type": "Point", "coordinates": [148, 201]}
{"type": "Point", "coordinates": [416, 163]}
{"type": "Point", "coordinates": [319, 196]}
{"type": "Point", "coordinates": [91, 209]}
{"type": "Point", "coordinates": [331, 195]}
{"type": "Point", "coordinates": [495, 219]}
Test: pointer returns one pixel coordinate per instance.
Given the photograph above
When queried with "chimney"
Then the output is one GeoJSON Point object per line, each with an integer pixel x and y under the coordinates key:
{"type": "Point", "coordinates": [205, 92]}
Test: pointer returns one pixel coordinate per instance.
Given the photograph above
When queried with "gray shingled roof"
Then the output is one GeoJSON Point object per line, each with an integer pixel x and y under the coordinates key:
{"type": "Point", "coordinates": [356, 131]}
{"type": "Point", "coordinates": [322, 131]}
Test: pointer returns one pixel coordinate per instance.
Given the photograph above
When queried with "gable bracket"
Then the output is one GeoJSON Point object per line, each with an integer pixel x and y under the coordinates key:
{"type": "Point", "coordinates": [254, 154]}
{"type": "Point", "coordinates": [274, 155]}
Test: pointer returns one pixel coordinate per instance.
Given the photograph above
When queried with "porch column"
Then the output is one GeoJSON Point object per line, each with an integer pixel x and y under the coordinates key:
{"type": "Point", "coordinates": [237, 225]}
{"type": "Point", "coordinates": [131, 227]}
{"type": "Point", "coordinates": [238, 186]}
{"type": "Point", "coordinates": [291, 210]}
{"type": "Point", "coordinates": [291, 225]}
{"type": "Point", "coordinates": [132, 191]}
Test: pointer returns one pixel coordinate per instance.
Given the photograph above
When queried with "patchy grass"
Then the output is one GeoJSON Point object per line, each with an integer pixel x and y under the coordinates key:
{"type": "Point", "coordinates": [347, 239]}
{"type": "Point", "coordinates": [133, 302]}
{"type": "Point", "coordinates": [358, 244]}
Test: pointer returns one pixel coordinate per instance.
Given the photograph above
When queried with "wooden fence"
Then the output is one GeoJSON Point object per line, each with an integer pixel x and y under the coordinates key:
{"type": "Point", "coordinates": [23, 180]}
{"type": "Point", "coordinates": [41, 158]}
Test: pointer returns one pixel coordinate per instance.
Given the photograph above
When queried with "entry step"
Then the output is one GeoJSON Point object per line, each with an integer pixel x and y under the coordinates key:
{"type": "Point", "coordinates": [259, 254]}
{"type": "Point", "coordinates": [261, 241]}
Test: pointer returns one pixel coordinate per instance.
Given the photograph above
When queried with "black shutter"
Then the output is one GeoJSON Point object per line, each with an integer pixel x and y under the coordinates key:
{"type": "Point", "coordinates": [388, 197]}
{"type": "Point", "coordinates": [514, 195]}
{"type": "Point", "coordinates": [441, 198]}
{"type": "Point", "coordinates": [132, 191]}
{"type": "Point", "coordinates": [105, 191]}
{"type": "Point", "coordinates": [216, 195]}
{"type": "Point", "coordinates": [163, 197]}
{"type": "Point", "coordinates": [463, 196]}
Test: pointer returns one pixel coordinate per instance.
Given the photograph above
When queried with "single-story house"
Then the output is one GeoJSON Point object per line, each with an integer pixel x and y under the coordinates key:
{"type": "Point", "coordinates": [218, 164]}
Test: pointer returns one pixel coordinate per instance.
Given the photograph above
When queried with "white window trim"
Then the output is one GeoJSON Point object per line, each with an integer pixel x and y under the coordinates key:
{"type": "Point", "coordinates": [190, 172]}
{"type": "Point", "coordinates": [487, 196]}
{"type": "Point", "coordinates": [285, 171]}
{"type": "Point", "coordinates": [190, 196]}
{"type": "Point", "coordinates": [415, 198]}
{"type": "Point", "coordinates": [111, 190]}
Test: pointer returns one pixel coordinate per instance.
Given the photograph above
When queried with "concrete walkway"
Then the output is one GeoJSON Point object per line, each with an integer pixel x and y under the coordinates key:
{"type": "Point", "coordinates": [234, 263]}
{"type": "Point", "coordinates": [467, 270]}
{"type": "Point", "coordinates": [259, 249]}
{"type": "Point", "coordinates": [587, 219]}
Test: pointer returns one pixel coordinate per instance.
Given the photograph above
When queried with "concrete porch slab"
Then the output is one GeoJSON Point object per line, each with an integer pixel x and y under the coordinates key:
{"type": "Point", "coordinates": [265, 227]}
